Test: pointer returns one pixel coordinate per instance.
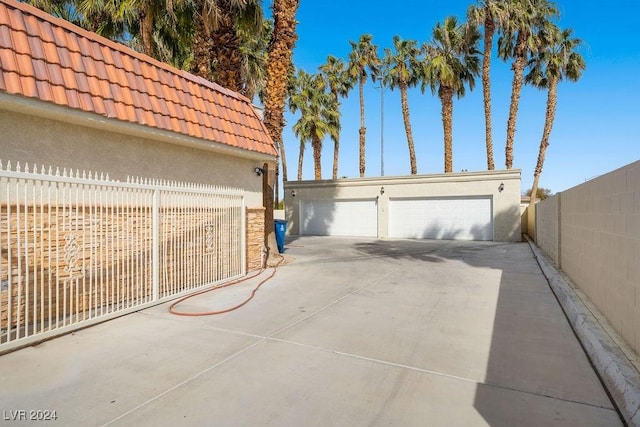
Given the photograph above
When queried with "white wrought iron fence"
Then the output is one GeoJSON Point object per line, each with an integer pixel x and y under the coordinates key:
{"type": "Point", "coordinates": [78, 248]}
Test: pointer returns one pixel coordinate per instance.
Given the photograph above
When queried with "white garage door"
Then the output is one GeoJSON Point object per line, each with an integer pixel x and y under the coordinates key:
{"type": "Point", "coordinates": [339, 217]}
{"type": "Point", "coordinates": [441, 218]}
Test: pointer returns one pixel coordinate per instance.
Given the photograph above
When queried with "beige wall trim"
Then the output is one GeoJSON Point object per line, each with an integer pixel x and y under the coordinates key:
{"type": "Point", "coordinates": [23, 105]}
{"type": "Point", "coordinates": [412, 179]}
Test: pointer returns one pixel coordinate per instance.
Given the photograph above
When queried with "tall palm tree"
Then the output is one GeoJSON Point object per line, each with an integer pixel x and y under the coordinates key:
{"type": "Point", "coordinates": [556, 60]}
{"type": "Point", "coordinates": [363, 56]}
{"type": "Point", "coordinates": [340, 83]}
{"type": "Point", "coordinates": [319, 116]}
{"type": "Point", "coordinates": [279, 67]}
{"type": "Point", "coordinates": [518, 42]}
{"type": "Point", "coordinates": [451, 62]}
{"type": "Point", "coordinates": [217, 55]}
{"type": "Point", "coordinates": [402, 70]}
{"type": "Point", "coordinates": [492, 15]}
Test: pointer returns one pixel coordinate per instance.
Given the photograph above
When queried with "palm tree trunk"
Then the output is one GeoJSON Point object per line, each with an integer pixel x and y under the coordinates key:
{"type": "Point", "coordinates": [363, 130]}
{"type": "Point", "coordinates": [336, 148]}
{"type": "Point", "coordinates": [552, 98]}
{"type": "Point", "coordinates": [446, 98]}
{"type": "Point", "coordinates": [516, 88]}
{"type": "Point", "coordinates": [300, 158]}
{"type": "Point", "coordinates": [544, 143]}
{"type": "Point", "coordinates": [489, 29]}
{"type": "Point", "coordinates": [202, 45]}
{"type": "Point", "coordinates": [278, 63]}
{"type": "Point", "coordinates": [146, 31]}
{"type": "Point", "coordinates": [336, 143]}
{"type": "Point", "coordinates": [407, 127]}
{"type": "Point", "coordinates": [225, 53]}
{"type": "Point", "coordinates": [317, 150]}
{"type": "Point", "coordinates": [283, 158]}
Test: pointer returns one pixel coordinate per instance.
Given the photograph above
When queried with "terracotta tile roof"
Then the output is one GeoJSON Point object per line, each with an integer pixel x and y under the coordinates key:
{"type": "Point", "coordinates": [52, 60]}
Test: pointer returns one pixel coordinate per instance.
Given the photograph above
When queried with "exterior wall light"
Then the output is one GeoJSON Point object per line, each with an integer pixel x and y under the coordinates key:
{"type": "Point", "coordinates": [258, 171]}
{"type": "Point", "coordinates": [501, 187]}
{"type": "Point", "coordinates": [293, 193]}
{"type": "Point", "coordinates": [381, 190]}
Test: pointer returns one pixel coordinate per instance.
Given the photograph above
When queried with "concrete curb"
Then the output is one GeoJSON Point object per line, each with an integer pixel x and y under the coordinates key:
{"type": "Point", "coordinates": [620, 377]}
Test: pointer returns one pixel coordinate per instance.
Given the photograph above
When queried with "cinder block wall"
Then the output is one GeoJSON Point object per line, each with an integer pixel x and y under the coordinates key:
{"type": "Point", "coordinates": [547, 227]}
{"type": "Point", "coordinates": [598, 244]}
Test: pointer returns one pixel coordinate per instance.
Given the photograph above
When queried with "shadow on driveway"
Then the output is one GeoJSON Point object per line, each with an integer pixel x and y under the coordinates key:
{"type": "Point", "coordinates": [536, 370]}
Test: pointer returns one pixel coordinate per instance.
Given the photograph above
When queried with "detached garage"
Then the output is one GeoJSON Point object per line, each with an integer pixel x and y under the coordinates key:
{"type": "Point", "coordinates": [450, 218]}
{"type": "Point", "coordinates": [339, 217]}
{"type": "Point", "coordinates": [455, 206]}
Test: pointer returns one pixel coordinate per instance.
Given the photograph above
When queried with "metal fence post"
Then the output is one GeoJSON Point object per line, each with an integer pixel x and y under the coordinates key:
{"type": "Point", "coordinates": [243, 238]}
{"type": "Point", "coordinates": [156, 244]}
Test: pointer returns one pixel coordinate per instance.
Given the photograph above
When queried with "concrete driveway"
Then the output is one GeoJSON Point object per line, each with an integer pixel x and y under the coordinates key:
{"type": "Point", "coordinates": [352, 332]}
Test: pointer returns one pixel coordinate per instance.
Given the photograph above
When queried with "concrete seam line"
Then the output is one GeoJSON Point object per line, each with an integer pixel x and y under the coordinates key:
{"type": "Point", "coordinates": [621, 378]}
{"type": "Point", "coordinates": [183, 382]}
{"type": "Point", "coordinates": [435, 373]}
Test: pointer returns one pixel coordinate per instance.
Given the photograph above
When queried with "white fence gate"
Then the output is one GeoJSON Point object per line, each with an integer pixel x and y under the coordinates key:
{"type": "Point", "coordinates": [77, 248]}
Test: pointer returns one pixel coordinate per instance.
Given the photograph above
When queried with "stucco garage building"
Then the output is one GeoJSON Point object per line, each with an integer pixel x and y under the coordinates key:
{"type": "Point", "coordinates": [464, 206]}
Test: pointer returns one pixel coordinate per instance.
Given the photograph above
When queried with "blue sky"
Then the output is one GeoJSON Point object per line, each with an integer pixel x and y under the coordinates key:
{"type": "Point", "coordinates": [597, 125]}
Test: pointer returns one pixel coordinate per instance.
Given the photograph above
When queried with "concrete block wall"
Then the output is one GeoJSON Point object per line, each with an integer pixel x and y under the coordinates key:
{"type": "Point", "coordinates": [547, 227]}
{"type": "Point", "coordinates": [598, 244]}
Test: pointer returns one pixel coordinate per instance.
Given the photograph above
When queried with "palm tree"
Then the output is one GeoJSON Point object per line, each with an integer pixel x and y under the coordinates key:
{"type": "Point", "coordinates": [319, 116]}
{"type": "Point", "coordinates": [451, 62]}
{"type": "Point", "coordinates": [517, 42]}
{"type": "Point", "coordinates": [254, 60]}
{"type": "Point", "coordinates": [491, 14]}
{"type": "Point", "coordinates": [160, 29]}
{"type": "Point", "coordinates": [173, 37]}
{"type": "Point", "coordinates": [362, 56]}
{"type": "Point", "coordinates": [217, 41]}
{"type": "Point", "coordinates": [139, 19]}
{"type": "Point", "coordinates": [340, 83]}
{"type": "Point", "coordinates": [64, 9]}
{"type": "Point", "coordinates": [555, 61]}
{"type": "Point", "coordinates": [279, 66]}
{"type": "Point", "coordinates": [403, 72]}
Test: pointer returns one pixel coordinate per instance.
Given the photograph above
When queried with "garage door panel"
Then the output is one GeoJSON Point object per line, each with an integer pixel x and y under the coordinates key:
{"type": "Point", "coordinates": [441, 218]}
{"type": "Point", "coordinates": [339, 218]}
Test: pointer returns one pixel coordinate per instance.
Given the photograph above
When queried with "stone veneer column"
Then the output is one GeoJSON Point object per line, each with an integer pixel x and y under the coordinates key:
{"type": "Point", "coordinates": [255, 238]}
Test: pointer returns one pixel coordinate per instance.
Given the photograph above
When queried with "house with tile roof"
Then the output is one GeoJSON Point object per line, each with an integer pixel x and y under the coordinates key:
{"type": "Point", "coordinates": [72, 99]}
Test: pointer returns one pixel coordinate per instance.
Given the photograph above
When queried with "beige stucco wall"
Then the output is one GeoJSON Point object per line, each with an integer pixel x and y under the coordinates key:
{"type": "Point", "coordinates": [506, 204]}
{"type": "Point", "coordinates": [598, 241]}
{"type": "Point", "coordinates": [78, 144]}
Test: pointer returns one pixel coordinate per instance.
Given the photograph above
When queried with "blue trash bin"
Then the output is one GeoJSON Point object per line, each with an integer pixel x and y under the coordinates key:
{"type": "Point", "coordinates": [281, 229]}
